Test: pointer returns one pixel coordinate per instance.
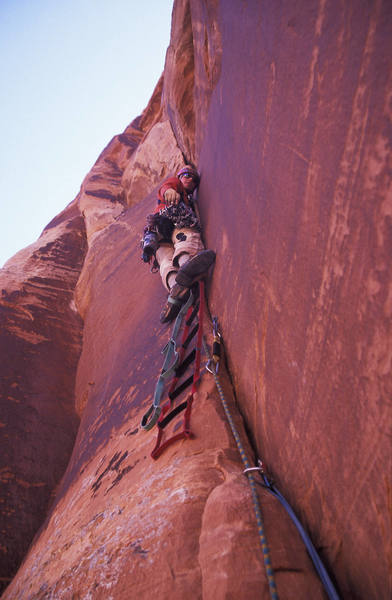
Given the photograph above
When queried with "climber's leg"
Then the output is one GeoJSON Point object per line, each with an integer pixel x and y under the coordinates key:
{"type": "Point", "coordinates": [168, 272]}
{"type": "Point", "coordinates": [177, 294]}
{"type": "Point", "coordinates": [180, 267]}
{"type": "Point", "coordinates": [190, 255]}
{"type": "Point", "coordinates": [187, 243]}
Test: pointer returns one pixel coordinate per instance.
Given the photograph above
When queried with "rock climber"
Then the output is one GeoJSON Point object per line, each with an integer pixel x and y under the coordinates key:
{"type": "Point", "coordinates": [172, 235]}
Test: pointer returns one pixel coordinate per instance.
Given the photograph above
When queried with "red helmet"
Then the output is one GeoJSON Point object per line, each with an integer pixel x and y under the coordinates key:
{"type": "Point", "coordinates": [192, 172]}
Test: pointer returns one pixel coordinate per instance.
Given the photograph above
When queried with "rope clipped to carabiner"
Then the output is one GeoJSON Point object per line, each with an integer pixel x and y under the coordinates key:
{"type": "Point", "coordinates": [249, 471]}
{"type": "Point", "coordinates": [244, 458]}
{"type": "Point", "coordinates": [216, 347]}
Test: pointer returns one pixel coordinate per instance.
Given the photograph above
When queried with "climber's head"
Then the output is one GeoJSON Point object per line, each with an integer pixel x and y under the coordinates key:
{"type": "Point", "coordinates": [189, 178]}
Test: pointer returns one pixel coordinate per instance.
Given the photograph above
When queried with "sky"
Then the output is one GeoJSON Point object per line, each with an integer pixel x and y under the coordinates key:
{"type": "Point", "coordinates": [73, 74]}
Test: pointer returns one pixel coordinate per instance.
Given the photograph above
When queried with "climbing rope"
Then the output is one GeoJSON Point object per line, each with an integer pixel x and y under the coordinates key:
{"type": "Point", "coordinates": [267, 484]}
{"type": "Point", "coordinates": [252, 483]}
{"type": "Point", "coordinates": [317, 562]}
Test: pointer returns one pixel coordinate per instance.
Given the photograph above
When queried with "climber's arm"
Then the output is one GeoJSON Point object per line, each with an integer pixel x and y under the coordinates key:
{"type": "Point", "coordinates": [170, 192]}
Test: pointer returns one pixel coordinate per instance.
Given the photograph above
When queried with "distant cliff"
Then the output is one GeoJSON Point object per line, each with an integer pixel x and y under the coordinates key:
{"type": "Point", "coordinates": [286, 110]}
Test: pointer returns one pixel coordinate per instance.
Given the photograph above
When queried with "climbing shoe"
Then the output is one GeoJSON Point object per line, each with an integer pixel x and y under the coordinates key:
{"type": "Point", "coordinates": [178, 295]}
{"type": "Point", "coordinates": [195, 268]}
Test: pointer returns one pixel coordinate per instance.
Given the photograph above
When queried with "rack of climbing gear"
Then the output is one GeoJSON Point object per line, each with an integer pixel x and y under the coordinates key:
{"type": "Point", "coordinates": [175, 366]}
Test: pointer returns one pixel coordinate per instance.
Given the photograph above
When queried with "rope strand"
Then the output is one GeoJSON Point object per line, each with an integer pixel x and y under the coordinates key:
{"type": "Point", "coordinates": [268, 485]}
{"type": "Point", "coordinates": [252, 483]}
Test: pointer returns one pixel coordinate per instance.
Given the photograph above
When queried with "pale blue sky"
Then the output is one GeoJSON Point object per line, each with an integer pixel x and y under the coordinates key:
{"type": "Point", "coordinates": [73, 74]}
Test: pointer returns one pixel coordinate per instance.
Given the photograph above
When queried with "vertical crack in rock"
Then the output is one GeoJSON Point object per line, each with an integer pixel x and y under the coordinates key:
{"type": "Point", "coordinates": [178, 87]}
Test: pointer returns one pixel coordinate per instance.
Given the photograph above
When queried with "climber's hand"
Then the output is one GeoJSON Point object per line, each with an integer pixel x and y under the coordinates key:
{"type": "Point", "coordinates": [147, 254]}
{"type": "Point", "coordinates": [172, 197]}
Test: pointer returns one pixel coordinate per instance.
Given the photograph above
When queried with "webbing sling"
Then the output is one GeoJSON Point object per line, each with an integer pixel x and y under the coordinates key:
{"type": "Point", "coordinates": [170, 363]}
{"type": "Point", "coordinates": [187, 405]}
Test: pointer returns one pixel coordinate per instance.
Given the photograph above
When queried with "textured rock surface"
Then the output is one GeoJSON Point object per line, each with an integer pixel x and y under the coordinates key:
{"type": "Point", "coordinates": [40, 341]}
{"type": "Point", "coordinates": [125, 525]}
{"type": "Point", "coordinates": [305, 241]}
{"type": "Point", "coordinates": [156, 158]}
{"type": "Point", "coordinates": [286, 109]}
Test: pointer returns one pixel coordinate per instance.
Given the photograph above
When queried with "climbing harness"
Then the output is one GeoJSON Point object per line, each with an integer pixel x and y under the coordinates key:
{"type": "Point", "coordinates": [268, 485]}
{"type": "Point", "coordinates": [317, 562]}
{"type": "Point", "coordinates": [252, 483]}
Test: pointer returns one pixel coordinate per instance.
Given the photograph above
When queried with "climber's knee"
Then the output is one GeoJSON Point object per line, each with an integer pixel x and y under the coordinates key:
{"type": "Point", "coordinates": [187, 243]}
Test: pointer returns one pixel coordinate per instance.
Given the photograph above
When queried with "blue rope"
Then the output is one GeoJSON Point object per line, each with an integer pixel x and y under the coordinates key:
{"type": "Point", "coordinates": [317, 562]}
{"type": "Point", "coordinates": [252, 483]}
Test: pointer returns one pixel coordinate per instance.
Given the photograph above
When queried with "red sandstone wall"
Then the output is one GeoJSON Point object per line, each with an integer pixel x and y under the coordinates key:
{"type": "Point", "coordinates": [297, 201]}
{"type": "Point", "coordinates": [286, 109]}
{"type": "Point", "coordinates": [40, 342]}
{"type": "Point", "coordinates": [126, 526]}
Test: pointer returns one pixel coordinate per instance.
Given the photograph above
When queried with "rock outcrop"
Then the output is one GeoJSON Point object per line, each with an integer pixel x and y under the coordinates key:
{"type": "Point", "coordinates": [286, 110]}
{"type": "Point", "coordinates": [40, 340]}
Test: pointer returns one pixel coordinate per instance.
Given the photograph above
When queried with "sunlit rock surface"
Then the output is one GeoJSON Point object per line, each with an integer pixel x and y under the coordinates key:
{"type": "Point", "coordinates": [124, 525]}
{"type": "Point", "coordinates": [302, 228]}
{"type": "Point", "coordinates": [286, 110]}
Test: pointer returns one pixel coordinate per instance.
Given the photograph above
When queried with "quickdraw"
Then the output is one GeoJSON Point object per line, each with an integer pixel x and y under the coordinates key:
{"type": "Point", "coordinates": [216, 347]}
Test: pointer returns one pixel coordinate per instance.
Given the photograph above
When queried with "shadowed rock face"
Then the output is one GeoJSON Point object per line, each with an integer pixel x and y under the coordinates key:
{"type": "Point", "coordinates": [286, 110]}
{"type": "Point", "coordinates": [40, 341]}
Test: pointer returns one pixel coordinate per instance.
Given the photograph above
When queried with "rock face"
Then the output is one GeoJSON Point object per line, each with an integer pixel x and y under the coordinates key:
{"type": "Point", "coordinates": [310, 280]}
{"type": "Point", "coordinates": [124, 525]}
{"type": "Point", "coordinates": [286, 111]}
{"type": "Point", "coordinates": [40, 340]}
